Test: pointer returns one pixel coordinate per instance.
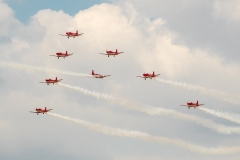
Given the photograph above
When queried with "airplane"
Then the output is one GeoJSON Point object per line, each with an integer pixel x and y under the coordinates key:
{"type": "Point", "coordinates": [149, 75]}
{"type": "Point", "coordinates": [98, 75]}
{"type": "Point", "coordinates": [48, 81]}
{"type": "Point", "coordinates": [111, 53]}
{"type": "Point", "coordinates": [60, 54]}
{"type": "Point", "coordinates": [191, 104]}
{"type": "Point", "coordinates": [72, 34]}
{"type": "Point", "coordinates": [39, 110]}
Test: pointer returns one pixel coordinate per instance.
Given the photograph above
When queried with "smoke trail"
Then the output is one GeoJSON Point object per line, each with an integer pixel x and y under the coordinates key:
{"type": "Point", "coordinates": [146, 137]}
{"type": "Point", "coordinates": [158, 111]}
{"type": "Point", "coordinates": [233, 99]}
{"type": "Point", "coordinates": [228, 116]}
{"type": "Point", "coordinates": [33, 68]}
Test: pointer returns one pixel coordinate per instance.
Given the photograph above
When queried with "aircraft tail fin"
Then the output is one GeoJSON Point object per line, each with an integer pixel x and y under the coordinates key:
{"type": "Point", "coordinates": [197, 102]}
{"type": "Point", "coordinates": [76, 31]}
{"type": "Point", "coordinates": [153, 73]}
{"type": "Point", "coordinates": [116, 51]}
{"type": "Point", "coordinates": [56, 78]}
{"type": "Point", "coordinates": [66, 52]}
{"type": "Point", "coordinates": [92, 72]}
{"type": "Point", "coordinates": [45, 108]}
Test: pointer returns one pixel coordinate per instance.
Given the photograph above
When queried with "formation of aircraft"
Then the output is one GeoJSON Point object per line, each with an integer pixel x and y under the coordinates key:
{"type": "Point", "coordinates": [49, 81]}
{"type": "Point", "coordinates": [191, 104]}
{"type": "Point", "coordinates": [72, 34]}
{"type": "Point", "coordinates": [111, 53]}
{"type": "Point", "coordinates": [40, 110]}
{"type": "Point", "coordinates": [60, 54]}
{"type": "Point", "coordinates": [95, 75]}
{"type": "Point", "coordinates": [149, 75]}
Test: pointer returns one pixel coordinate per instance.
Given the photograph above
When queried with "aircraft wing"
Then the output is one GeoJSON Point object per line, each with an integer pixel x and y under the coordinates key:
{"type": "Point", "coordinates": [42, 82]}
{"type": "Point", "coordinates": [106, 75]}
{"type": "Point", "coordinates": [141, 76]}
{"type": "Point", "coordinates": [157, 75]}
{"type": "Point", "coordinates": [53, 55]}
{"type": "Point", "coordinates": [49, 110]}
{"type": "Point", "coordinates": [120, 52]}
{"type": "Point", "coordinates": [70, 54]}
{"type": "Point", "coordinates": [80, 34]}
{"type": "Point", "coordinates": [91, 77]}
{"type": "Point", "coordinates": [63, 35]}
{"type": "Point", "coordinates": [103, 53]}
{"type": "Point", "coordinates": [33, 112]}
{"type": "Point", "coordinates": [200, 104]}
{"type": "Point", "coordinates": [183, 105]}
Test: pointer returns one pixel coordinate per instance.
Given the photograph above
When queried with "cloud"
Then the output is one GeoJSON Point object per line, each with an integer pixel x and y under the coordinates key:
{"type": "Point", "coordinates": [7, 12]}
{"type": "Point", "coordinates": [196, 24]}
{"type": "Point", "coordinates": [153, 111]}
{"type": "Point", "coordinates": [228, 10]}
{"type": "Point", "coordinates": [145, 136]}
{"type": "Point", "coordinates": [148, 44]}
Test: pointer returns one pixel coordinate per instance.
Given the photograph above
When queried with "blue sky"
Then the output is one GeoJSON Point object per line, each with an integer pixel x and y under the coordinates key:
{"type": "Point", "coordinates": [24, 9]}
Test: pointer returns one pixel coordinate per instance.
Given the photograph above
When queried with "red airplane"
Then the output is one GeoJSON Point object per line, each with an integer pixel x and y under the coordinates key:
{"type": "Point", "coordinates": [111, 53]}
{"type": "Point", "coordinates": [149, 75]}
{"type": "Point", "coordinates": [60, 54]}
{"type": "Point", "coordinates": [98, 75]}
{"type": "Point", "coordinates": [191, 104]}
{"type": "Point", "coordinates": [48, 81]}
{"type": "Point", "coordinates": [39, 110]}
{"type": "Point", "coordinates": [72, 34]}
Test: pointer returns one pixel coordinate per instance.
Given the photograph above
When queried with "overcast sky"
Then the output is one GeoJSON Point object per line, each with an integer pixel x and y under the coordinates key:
{"type": "Point", "coordinates": [188, 41]}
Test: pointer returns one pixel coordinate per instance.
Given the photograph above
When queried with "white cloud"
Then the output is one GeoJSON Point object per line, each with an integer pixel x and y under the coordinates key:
{"type": "Point", "coordinates": [7, 12]}
{"type": "Point", "coordinates": [178, 61]}
{"type": "Point", "coordinates": [19, 45]}
{"type": "Point", "coordinates": [229, 10]}
{"type": "Point", "coordinates": [147, 44]}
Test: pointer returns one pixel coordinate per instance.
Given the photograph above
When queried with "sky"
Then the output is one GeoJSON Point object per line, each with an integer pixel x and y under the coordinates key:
{"type": "Point", "coordinates": [24, 9]}
{"type": "Point", "coordinates": [192, 44]}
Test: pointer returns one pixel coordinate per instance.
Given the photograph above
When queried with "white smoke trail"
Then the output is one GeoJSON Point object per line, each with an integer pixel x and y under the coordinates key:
{"type": "Point", "coordinates": [228, 116]}
{"type": "Point", "coordinates": [233, 99]}
{"type": "Point", "coordinates": [33, 68]}
{"type": "Point", "coordinates": [146, 137]}
{"type": "Point", "coordinates": [158, 111]}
